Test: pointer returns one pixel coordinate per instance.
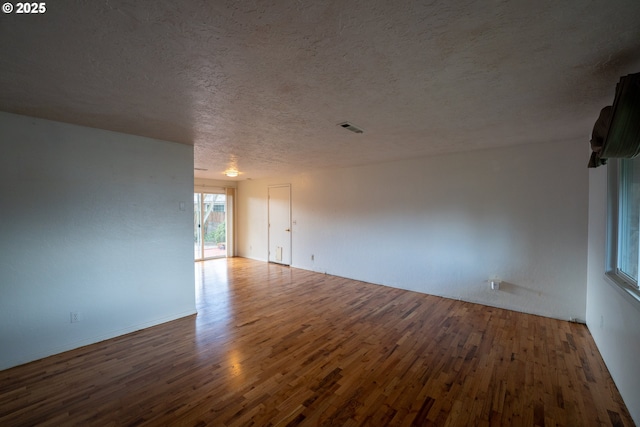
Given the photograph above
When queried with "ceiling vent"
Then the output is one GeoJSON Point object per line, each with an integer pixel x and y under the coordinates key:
{"type": "Point", "coordinates": [200, 169]}
{"type": "Point", "coordinates": [351, 127]}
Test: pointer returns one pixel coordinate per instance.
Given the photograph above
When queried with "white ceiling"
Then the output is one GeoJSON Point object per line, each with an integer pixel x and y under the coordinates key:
{"type": "Point", "coordinates": [262, 85]}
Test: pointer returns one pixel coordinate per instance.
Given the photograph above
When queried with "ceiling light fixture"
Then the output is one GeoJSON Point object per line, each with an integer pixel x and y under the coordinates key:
{"type": "Point", "coordinates": [231, 173]}
{"type": "Point", "coordinates": [351, 127]}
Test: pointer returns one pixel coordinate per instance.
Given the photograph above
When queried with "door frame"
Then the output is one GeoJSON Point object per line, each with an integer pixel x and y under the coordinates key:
{"type": "Point", "coordinates": [202, 193]}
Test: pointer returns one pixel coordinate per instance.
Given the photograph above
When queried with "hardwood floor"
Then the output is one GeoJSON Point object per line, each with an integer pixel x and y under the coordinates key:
{"type": "Point", "coordinates": [278, 346]}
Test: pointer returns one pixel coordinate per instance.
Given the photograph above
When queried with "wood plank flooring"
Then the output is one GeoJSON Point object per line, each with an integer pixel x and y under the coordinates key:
{"type": "Point", "coordinates": [278, 346]}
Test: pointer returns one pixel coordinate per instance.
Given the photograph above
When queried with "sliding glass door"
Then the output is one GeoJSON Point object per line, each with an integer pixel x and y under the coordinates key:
{"type": "Point", "coordinates": [197, 219]}
{"type": "Point", "coordinates": [209, 225]}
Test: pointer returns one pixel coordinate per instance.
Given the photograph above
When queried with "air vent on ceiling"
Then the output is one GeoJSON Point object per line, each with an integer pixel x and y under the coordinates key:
{"type": "Point", "coordinates": [351, 127]}
{"type": "Point", "coordinates": [200, 169]}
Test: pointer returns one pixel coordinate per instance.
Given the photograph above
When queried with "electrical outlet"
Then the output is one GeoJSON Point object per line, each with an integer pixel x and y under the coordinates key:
{"type": "Point", "coordinates": [313, 257]}
{"type": "Point", "coordinates": [75, 317]}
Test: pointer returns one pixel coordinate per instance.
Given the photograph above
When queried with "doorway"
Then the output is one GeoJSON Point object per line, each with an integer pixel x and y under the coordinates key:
{"type": "Point", "coordinates": [280, 224]}
{"type": "Point", "coordinates": [209, 225]}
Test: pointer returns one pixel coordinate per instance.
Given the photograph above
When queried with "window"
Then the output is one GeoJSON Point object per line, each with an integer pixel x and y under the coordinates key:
{"type": "Point", "coordinates": [624, 223]}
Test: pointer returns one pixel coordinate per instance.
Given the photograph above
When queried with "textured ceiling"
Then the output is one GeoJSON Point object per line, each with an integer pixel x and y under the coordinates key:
{"type": "Point", "coordinates": [262, 85]}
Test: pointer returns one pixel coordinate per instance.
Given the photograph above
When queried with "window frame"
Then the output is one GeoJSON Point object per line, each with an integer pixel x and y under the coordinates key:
{"type": "Point", "coordinates": [619, 278]}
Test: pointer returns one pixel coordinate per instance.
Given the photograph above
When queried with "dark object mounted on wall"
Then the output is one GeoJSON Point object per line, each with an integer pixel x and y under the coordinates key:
{"type": "Point", "coordinates": [616, 133]}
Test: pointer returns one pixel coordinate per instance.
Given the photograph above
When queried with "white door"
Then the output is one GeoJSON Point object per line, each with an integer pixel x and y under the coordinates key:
{"type": "Point", "coordinates": [280, 224]}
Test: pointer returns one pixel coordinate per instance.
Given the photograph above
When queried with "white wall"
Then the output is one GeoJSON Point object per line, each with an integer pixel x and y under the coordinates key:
{"type": "Point", "coordinates": [89, 223]}
{"type": "Point", "coordinates": [613, 316]}
{"type": "Point", "coordinates": [444, 225]}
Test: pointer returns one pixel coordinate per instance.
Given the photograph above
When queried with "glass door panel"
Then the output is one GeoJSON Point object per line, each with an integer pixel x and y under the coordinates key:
{"type": "Point", "coordinates": [214, 225]}
{"type": "Point", "coordinates": [197, 229]}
